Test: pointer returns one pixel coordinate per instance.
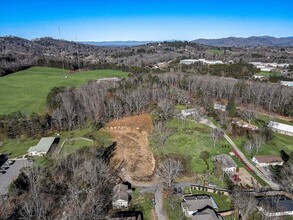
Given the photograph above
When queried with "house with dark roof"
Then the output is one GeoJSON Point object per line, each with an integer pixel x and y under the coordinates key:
{"type": "Point", "coordinates": [192, 204]}
{"type": "Point", "coordinates": [206, 213]}
{"type": "Point", "coordinates": [275, 206]}
{"type": "Point", "coordinates": [267, 160]}
{"type": "Point", "coordinates": [121, 196]}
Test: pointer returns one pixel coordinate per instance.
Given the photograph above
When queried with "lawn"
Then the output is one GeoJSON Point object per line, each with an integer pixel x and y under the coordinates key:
{"type": "Point", "coordinates": [15, 147]}
{"type": "Point", "coordinates": [223, 201]}
{"type": "Point", "coordinates": [215, 51]}
{"type": "Point", "coordinates": [142, 202]}
{"type": "Point", "coordinates": [26, 91]}
{"type": "Point", "coordinates": [189, 139]}
{"type": "Point", "coordinates": [101, 138]}
{"type": "Point", "coordinates": [263, 73]}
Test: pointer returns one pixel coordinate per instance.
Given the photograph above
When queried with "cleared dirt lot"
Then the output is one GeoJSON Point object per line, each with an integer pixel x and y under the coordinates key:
{"type": "Point", "coordinates": [246, 178]}
{"type": "Point", "coordinates": [133, 150]}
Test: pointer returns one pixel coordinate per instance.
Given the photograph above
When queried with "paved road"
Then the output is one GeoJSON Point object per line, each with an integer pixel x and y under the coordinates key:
{"type": "Point", "coordinates": [255, 169]}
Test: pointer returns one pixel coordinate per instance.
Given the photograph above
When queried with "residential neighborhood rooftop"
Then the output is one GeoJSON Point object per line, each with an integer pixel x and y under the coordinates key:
{"type": "Point", "coordinates": [206, 213]}
{"type": "Point", "coordinates": [120, 192]}
{"type": "Point", "coordinates": [227, 161]}
{"type": "Point", "coordinates": [197, 202]}
{"type": "Point", "coordinates": [268, 159]}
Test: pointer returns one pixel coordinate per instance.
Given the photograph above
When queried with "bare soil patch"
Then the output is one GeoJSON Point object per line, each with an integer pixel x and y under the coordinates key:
{"type": "Point", "coordinates": [246, 178]}
{"type": "Point", "coordinates": [133, 151]}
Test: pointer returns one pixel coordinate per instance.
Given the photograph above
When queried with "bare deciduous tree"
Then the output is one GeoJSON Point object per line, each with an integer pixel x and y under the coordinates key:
{"type": "Point", "coordinates": [244, 202]}
{"type": "Point", "coordinates": [216, 134]}
{"type": "Point", "coordinates": [167, 171]}
{"type": "Point", "coordinates": [198, 113]}
{"type": "Point", "coordinates": [162, 133]}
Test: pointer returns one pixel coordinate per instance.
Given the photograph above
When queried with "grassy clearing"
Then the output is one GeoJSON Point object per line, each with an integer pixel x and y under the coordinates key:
{"type": "Point", "coordinates": [215, 51]}
{"type": "Point", "coordinates": [101, 138]}
{"type": "Point", "coordinates": [143, 203]}
{"type": "Point", "coordinates": [188, 140]}
{"type": "Point", "coordinates": [16, 148]}
{"type": "Point", "coordinates": [223, 201]}
{"type": "Point", "coordinates": [26, 91]}
{"type": "Point", "coordinates": [268, 74]}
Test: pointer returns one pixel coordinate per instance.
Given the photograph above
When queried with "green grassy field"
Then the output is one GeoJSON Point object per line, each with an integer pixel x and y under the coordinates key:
{"type": "Point", "coordinates": [215, 51]}
{"type": "Point", "coordinates": [263, 73]}
{"type": "Point", "coordinates": [143, 202]}
{"type": "Point", "coordinates": [16, 148]}
{"type": "Point", "coordinates": [188, 140]}
{"type": "Point", "coordinates": [26, 91]}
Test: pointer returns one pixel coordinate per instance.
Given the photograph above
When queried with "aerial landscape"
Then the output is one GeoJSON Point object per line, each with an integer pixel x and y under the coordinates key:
{"type": "Point", "coordinates": [146, 110]}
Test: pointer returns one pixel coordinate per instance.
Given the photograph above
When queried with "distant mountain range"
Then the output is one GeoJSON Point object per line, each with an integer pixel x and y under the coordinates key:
{"type": "Point", "coordinates": [117, 43]}
{"type": "Point", "coordinates": [247, 42]}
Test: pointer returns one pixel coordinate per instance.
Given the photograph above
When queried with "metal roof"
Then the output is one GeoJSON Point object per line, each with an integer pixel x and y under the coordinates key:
{"type": "Point", "coordinates": [280, 126]}
{"type": "Point", "coordinates": [43, 145]}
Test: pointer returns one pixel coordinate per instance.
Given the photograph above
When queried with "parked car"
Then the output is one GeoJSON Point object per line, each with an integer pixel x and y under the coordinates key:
{"type": "Point", "coordinates": [10, 162]}
{"type": "Point", "coordinates": [4, 168]}
{"type": "Point", "coordinates": [2, 171]}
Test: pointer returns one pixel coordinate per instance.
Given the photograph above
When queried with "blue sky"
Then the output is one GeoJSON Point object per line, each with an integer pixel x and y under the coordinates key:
{"type": "Point", "coordinates": [103, 20]}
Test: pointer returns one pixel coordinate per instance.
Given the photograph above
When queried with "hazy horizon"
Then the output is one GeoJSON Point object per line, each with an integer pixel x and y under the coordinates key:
{"type": "Point", "coordinates": [145, 21]}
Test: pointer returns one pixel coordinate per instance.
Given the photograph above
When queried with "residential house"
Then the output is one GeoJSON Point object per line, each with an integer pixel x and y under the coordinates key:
{"type": "Point", "coordinates": [281, 128]}
{"type": "Point", "coordinates": [195, 203]}
{"type": "Point", "coordinates": [267, 160]}
{"type": "Point", "coordinates": [228, 164]}
{"type": "Point", "coordinates": [121, 196]}
{"type": "Point", "coordinates": [220, 107]}
{"type": "Point", "coordinates": [275, 206]}
{"type": "Point", "coordinates": [187, 112]}
{"type": "Point", "coordinates": [43, 147]}
{"type": "Point", "coordinates": [206, 213]}
{"type": "Point", "coordinates": [243, 124]}
{"type": "Point", "coordinates": [287, 83]}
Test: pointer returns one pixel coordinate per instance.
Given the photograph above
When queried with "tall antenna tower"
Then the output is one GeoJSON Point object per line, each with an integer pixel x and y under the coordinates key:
{"type": "Point", "coordinates": [61, 51]}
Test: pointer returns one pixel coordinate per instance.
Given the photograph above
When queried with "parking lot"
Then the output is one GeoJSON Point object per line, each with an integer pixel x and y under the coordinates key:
{"type": "Point", "coordinates": [11, 173]}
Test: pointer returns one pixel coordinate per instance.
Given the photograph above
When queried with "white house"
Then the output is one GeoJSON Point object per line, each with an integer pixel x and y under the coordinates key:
{"type": "Point", "coordinates": [120, 196]}
{"type": "Point", "coordinates": [281, 128]}
{"type": "Point", "coordinates": [43, 147]}
{"type": "Point", "coordinates": [220, 107]}
{"type": "Point", "coordinates": [267, 160]}
{"type": "Point", "coordinates": [228, 164]}
{"type": "Point", "coordinates": [287, 83]}
{"type": "Point", "coordinates": [187, 112]}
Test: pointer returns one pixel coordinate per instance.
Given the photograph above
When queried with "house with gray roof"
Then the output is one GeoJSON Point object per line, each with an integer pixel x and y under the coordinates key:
{"type": "Point", "coordinates": [206, 213]}
{"type": "Point", "coordinates": [195, 203]}
{"type": "Point", "coordinates": [275, 206]}
{"type": "Point", "coordinates": [228, 164]}
{"type": "Point", "coordinates": [121, 196]}
{"type": "Point", "coordinates": [43, 147]}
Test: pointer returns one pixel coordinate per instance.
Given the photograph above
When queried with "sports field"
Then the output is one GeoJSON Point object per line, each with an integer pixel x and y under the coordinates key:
{"type": "Point", "coordinates": [26, 91]}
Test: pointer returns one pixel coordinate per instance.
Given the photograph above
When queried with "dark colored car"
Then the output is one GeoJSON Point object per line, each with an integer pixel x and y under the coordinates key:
{"type": "Point", "coordinates": [2, 171]}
